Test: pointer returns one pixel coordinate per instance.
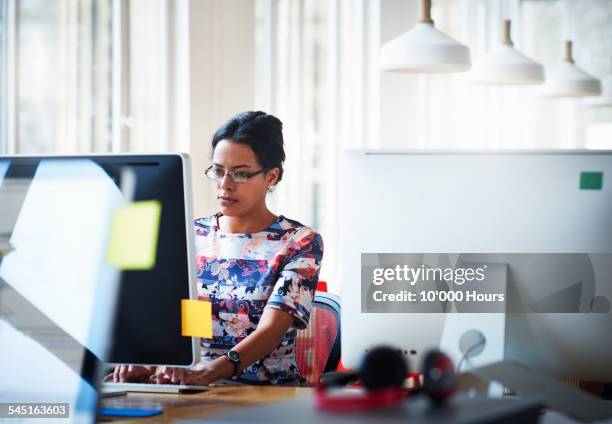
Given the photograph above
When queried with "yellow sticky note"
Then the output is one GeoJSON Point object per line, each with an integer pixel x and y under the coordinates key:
{"type": "Point", "coordinates": [133, 237]}
{"type": "Point", "coordinates": [196, 318]}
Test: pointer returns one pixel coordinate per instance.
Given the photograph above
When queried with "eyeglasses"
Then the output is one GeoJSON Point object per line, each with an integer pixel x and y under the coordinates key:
{"type": "Point", "coordinates": [217, 174]}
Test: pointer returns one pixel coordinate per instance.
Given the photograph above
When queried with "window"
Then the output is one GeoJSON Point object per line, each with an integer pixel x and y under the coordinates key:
{"type": "Point", "coordinates": [92, 76]}
{"type": "Point", "coordinates": [315, 71]}
{"type": "Point", "coordinates": [589, 25]}
{"type": "Point", "coordinates": [145, 79]}
{"type": "Point", "coordinates": [515, 117]}
{"type": "Point", "coordinates": [63, 74]}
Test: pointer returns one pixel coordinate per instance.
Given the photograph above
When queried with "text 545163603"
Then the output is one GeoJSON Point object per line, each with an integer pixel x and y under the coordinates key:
{"type": "Point", "coordinates": [34, 410]}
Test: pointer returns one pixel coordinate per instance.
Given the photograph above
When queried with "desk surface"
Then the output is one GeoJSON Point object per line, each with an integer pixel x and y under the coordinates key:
{"type": "Point", "coordinates": [207, 404]}
{"type": "Point", "coordinates": [224, 399]}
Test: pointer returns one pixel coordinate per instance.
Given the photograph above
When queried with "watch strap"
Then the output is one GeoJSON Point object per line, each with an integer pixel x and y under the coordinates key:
{"type": "Point", "coordinates": [234, 358]}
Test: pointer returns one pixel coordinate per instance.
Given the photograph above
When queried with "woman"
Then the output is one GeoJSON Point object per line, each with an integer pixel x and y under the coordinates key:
{"type": "Point", "coordinates": [259, 270]}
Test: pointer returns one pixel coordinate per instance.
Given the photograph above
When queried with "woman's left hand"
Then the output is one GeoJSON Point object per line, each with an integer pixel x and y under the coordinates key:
{"type": "Point", "coordinates": [168, 375]}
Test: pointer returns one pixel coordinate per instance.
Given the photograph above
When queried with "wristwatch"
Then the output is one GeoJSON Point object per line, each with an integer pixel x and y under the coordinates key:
{"type": "Point", "coordinates": [234, 358]}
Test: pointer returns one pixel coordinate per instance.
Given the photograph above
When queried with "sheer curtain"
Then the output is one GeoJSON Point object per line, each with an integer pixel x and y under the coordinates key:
{"type": "Point", "coordinates": [83, 76]}
{"type": "Point", "coordinates": [448, 111]}
{"type": "Point", "coordinates": [118, 76]}
{"type": "Point", "coordinates": [315, 71]}
{"type": "Point", "coordinates": [62, 76]}
{"type": "Point", "coordinates": [4, 77]}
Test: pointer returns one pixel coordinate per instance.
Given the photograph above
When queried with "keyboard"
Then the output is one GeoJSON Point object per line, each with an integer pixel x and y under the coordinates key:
{"type": "Point", "coordinates": [111, 392]}
{"type": "Point", "coordinates": [108, 387]}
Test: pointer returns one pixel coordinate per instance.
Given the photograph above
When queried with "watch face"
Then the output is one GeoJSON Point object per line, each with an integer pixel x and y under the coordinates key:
{"type": "Point", "coordinates": [233, 356]}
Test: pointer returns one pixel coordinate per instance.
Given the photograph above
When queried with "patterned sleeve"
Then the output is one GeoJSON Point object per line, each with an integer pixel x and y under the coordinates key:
{"type": "Point", "coordinates": [295, 288]}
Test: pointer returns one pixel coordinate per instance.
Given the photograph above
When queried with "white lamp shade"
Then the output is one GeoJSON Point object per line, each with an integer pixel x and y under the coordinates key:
{"type": "Point", "coordinates": [568, 80]}
{"type": "Point", "coordinates": [505, 65]}
{"type": "Point", "coordinates": [424, 49]}
{"type": "Point", "coordinates": [605, 100]}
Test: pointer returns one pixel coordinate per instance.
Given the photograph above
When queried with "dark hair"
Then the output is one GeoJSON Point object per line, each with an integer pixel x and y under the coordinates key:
{"type": "Point", "coordinates": [262, 132]}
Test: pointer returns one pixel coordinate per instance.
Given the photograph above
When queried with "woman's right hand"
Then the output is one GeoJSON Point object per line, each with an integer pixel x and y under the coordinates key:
{"type": "Point", "coordinates": [130, 374]}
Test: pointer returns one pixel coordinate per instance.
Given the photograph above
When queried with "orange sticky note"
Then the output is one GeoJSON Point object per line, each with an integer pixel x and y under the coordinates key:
{"type": "Point", "coordinates": [196, 318]}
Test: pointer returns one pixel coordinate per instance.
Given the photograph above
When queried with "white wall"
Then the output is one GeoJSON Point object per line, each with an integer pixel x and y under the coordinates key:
{"type": "Point", "coordinates": [398, 92]}
{"type": "Point", "coordinates": [222, 69]}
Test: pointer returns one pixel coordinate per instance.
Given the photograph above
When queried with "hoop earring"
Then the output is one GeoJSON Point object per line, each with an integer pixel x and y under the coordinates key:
{"type": "Point", "coordinates": [270, 189]}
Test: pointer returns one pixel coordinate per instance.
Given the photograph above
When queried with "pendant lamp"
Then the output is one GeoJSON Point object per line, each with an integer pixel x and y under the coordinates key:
{"type": "Point", "coordinates": [568, 80]}
{"type": "Point", "coordinates": [504, 65]}
{"type": "Point", "coordinates": [424, 49]}
{"type": "Point", "coordinates": [605, 100]}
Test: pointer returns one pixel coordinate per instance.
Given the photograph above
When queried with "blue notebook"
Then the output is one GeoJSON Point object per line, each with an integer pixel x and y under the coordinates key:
{"type": "Point", "coordinates": [129, 412]}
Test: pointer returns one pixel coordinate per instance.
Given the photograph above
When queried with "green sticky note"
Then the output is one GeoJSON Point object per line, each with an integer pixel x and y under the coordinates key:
{"type": "Point", "coordinates": [133, 236]}
{"type": "Point", "coordinates": [591, 180]}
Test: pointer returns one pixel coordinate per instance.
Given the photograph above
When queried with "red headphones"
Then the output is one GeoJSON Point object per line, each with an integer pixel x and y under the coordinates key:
{"type": "Point", "coordinates": [382, 372]}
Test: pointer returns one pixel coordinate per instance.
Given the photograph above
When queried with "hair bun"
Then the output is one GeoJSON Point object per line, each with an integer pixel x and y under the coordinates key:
{"type": "Point", "coordinates": [262, 132]}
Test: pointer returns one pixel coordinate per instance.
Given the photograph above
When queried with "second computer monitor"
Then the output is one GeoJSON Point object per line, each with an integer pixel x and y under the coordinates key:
{"type": "Point", "coordinates": [433, 206]}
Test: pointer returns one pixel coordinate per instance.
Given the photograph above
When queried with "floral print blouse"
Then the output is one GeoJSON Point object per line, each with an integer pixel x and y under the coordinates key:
{"type": "Point", "coordinates": [243, 274]}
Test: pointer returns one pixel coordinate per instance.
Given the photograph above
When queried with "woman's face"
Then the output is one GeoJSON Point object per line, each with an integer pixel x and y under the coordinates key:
{"type": "Point", "coordinates": [239, 199]}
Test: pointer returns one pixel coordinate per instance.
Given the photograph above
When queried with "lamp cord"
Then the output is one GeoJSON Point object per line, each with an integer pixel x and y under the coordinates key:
{"type": "Point", "coordinates": [465, 357]}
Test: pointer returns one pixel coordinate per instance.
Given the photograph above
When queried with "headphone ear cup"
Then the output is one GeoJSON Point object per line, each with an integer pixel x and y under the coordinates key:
{"type": "Point", "coordinates": [439, 378]}
{"type": "Point", "coordinates": [383, 367]}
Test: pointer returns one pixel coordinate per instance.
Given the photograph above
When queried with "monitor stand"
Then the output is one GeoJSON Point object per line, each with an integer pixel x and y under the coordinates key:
{"type": "Point", "coordinates": [474, 336]}
{"type": "Point", "coordinates": [555, 395]}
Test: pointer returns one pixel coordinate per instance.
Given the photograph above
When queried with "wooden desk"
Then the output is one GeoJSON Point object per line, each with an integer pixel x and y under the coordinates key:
{"type": "Point", "coordinates": [206, 404]}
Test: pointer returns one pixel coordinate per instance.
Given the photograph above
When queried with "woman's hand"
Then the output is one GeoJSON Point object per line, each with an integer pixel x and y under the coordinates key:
{"type": "Point", "coordinates": [168, 375]}
{"type": "Point", "coordinates": [273, 324]}
{"type": "Point", "coordinates": [209, 373]}
{"type": "Point", "coordinates": [130, 374]}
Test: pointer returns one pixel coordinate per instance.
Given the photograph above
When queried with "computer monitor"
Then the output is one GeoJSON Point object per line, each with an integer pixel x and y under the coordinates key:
{"type": "Point", "coordinates": [440, 207]}
{"type": "Point", "coordinates": [147, 328]}
{"type": "Point", "coordinates": [57, 291]}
